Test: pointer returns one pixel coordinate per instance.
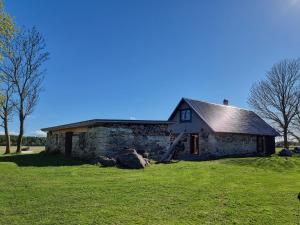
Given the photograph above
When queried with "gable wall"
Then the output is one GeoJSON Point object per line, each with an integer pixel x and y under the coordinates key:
{"type": "Point", "coordinates": [196, 125]}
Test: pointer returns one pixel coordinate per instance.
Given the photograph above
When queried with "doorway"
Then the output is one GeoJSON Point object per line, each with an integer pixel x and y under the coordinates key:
{"type": "Point", "coordinates": [68, 143]}
{"type": "Point", "coordinates": [194, 144]}
{"type": "Point", "coordinates": [261, 144]}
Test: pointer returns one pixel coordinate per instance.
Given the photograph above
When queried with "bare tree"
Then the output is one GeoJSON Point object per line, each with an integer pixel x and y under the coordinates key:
{"type": "Point", "coordinates": [7, 29]}
{"type": "Point", "coordinates": [6, 108]}
{"type": "Point", "coordinates": [24, 57]}
{"type": "Point", "coordinates": [295, 132]}
{"type": "Point", "coordinates": [277, 97]}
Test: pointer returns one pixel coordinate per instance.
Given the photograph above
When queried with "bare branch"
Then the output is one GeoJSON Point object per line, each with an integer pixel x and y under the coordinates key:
{"type": "Point", "coordinates": [24, 57]}
{"type": "Point", "coordinates": [277, 97]}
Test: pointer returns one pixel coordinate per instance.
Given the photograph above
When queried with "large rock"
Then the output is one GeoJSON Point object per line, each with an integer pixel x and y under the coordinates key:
{"type": "Point", "coordinates": [130, 159]}
{"type": "Point", "coordinates": [106, 162]}
{"type": "Point", "coordinates": [297, 150]}
{"type": "Point", "coordinates": [285, 152]}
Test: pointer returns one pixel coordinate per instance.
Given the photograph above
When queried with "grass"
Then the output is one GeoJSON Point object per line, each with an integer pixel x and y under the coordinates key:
{"type": "Point", "coordinates": [41, 189]}
{"type": "Point", "coordinates": [35, 149]}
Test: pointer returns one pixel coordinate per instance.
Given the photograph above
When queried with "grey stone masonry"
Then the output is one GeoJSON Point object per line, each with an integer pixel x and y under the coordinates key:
{"type": "Point", "coordinates": [230, 144]}
{"type": "Point", "coordinates": [221, 144]}
{"type": "Point", "coordinates": [109, 139]}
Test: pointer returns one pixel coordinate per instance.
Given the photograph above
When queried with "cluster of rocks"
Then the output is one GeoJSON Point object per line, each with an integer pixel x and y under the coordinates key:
{"type": "Point", "coordinates": [288, 153]}
{"type": "Point", "coordinates": [285, 152]}
{"type": "Point", "coordinates": [127, 158]}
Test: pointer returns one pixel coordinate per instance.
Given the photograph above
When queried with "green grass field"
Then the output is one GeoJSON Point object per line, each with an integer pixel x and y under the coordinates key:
{"type": "Point", "coordinates": [41, 189]}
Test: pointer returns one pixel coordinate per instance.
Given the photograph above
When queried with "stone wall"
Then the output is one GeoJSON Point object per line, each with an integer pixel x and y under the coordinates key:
{"type": "Point", "coordinates": [109, 139]}
{"type": "Point", "coordinates": [221, 144]}
{"type": "Point", "coordinates": [55, 142]}
{"type": "Point", "coordinates": [231, 144]}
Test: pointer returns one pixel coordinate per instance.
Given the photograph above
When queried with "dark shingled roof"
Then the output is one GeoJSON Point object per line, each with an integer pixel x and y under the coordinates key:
{"type": "Point", "coordinates": [228, 119]}
{"type": "Point", "coordinates": [96, 122]}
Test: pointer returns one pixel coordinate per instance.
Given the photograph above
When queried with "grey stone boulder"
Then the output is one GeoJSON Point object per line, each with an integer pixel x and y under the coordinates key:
{"type": "Point", "coordinates": [106, 162]}
{"type": "Point", "coordinates": [285, 152]}
{"type": "Point", "coordinates": [297, 150]}
{"type": "Point", "coordinates": [130, 159]}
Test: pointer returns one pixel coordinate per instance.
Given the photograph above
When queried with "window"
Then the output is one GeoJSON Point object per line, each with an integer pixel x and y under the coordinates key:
{"type": "Point", "coordinates": [185, 115]}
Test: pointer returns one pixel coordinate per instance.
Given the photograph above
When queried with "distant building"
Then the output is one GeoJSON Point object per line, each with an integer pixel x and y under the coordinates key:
{"type": "Point", "coordinates": [221, 130]}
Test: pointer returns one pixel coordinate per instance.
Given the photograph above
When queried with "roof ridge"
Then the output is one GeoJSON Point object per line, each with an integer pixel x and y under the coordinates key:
{"type": "Point", "coordinates": [211, 103]}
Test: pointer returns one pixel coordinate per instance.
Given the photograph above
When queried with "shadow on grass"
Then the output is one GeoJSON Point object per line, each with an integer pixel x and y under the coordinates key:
{"type": "Point", "coordinates": [40, 160]}
{"type": "Point", "coordinates": [168, 162]}
{"type": "Point", "coordinates": [274, 163]}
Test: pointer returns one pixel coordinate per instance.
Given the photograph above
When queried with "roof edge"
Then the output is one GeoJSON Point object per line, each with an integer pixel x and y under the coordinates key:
{"type": "Point", "coordinates": [103, 121]}
{"type": "Point", "coordinates": [228, 106]}
{"type": "Point", "coordinates": [200, 116]}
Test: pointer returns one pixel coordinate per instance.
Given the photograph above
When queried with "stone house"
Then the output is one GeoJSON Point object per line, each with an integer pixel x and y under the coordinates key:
{"type": "Point", "coordinates": [221, 130]}
{"type": "Point", "coordinates": [102, 137]}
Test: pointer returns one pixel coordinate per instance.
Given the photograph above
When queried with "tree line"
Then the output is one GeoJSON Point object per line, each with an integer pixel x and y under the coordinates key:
{"type": "Point", "coordinates": [27, 140]}
{"type": "Point", "coordinates": [277, 99]}
{"type": "Point", "coordinates": [22, 56]}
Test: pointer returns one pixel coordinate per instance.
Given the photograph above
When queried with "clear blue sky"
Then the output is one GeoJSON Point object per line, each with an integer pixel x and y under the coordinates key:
{"type": "Point", "coordinates": [122, 59]}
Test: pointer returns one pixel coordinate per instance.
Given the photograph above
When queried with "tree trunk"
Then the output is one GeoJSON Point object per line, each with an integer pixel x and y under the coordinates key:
{"type": "Point", "coordinates": [285, 138]}
{"type": "Point", "coordinates": [21, 132]}
{"type": "Point", "coordinates": [7, 137]}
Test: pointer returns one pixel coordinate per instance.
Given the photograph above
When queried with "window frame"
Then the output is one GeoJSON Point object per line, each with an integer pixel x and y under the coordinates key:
{"type": "Point", "coordinates": [180, 115]}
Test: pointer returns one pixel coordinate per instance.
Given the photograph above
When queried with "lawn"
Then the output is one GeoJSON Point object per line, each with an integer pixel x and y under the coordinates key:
{"type": "Point", "coordinates": [35, 149]}
{"type": "Point", "coordinates": [41, 189]}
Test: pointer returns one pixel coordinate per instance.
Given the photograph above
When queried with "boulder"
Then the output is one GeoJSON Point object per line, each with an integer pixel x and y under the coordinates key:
{"type": "Point", "coordinates": [106, 162]}
{"type": "Point", "coordinates": [297, 150]}
{"type": "Point", "coordinates": [130, 159]}
{"type": "Point", "coordinates": [285, 152]}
